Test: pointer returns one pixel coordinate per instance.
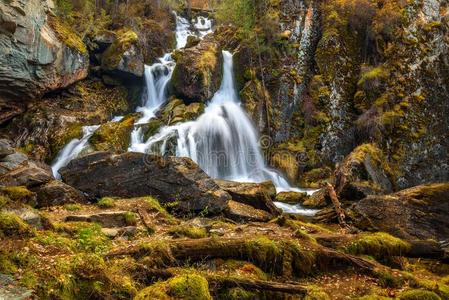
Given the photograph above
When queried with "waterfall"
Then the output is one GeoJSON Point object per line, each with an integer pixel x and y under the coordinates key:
{"type": "Point", "coordinates": [223, 141]}
{"type": "Point", "coordinates": [73, 149]}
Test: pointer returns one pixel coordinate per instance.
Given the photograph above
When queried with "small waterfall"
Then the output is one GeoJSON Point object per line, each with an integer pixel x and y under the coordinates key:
{"type": "Point", "coordinates": [203, 25]}
{"type": "Point", "coordinates": [182, 31]}
{"type": "Point", "coordinates": [223, 141]}
{"type": "Point", "coordinates": [73, 149]}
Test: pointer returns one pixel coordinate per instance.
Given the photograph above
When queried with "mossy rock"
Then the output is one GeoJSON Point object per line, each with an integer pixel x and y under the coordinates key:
{"type": "Point", "coordinates": [113, 136]}
{"type": "Point", "coordinates": [186, 287]}
{"type": "Point", "coordinates": [18, 194]}
{"type": "Point", "coordinates": [176, 111]}
{"type": "Point", "coordinates": [67, 35]}
{"type": "Point", "coordinates": [61, 138]}
{"type": "Point", "coordinates": [124, 55]}
{"type": "Point", "coordinates": [315, 177]}
{"type": "Point", "coordinates": [291, 197]}
{"type": "Point", "coordinates": [12, 225]}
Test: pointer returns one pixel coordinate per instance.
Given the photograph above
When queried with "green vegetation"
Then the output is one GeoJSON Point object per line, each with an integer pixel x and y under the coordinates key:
{"type": "Point", "coordinates": [113, 136]}
{"type": "Point", "coordinates": [67, 36]}
{"type": "Point", "coordinates": [125, 38]}
{"type": "Point", "coordinates": [12, 225]}
{"type": "Point", "coordinates": [4, 201]}
{"type": "Point", "coordinates": [130, 218]}
{"type": "Point", "coordinates": [17, 193]}
{"type": "Point", "coordinates": [106, 202]}
{"type": "Point", "coordinates": [190, 231]}
{"type": "Point", "coordinates": [72, 207]}
{"type": "Point", "coordinates": [187, 286]}
{"type": "Point", "coordinates": [316, 293]}
{"type": "Point", "coordinates": [90, 238]}
{"type": "Point", "coordinates": [419, 295]}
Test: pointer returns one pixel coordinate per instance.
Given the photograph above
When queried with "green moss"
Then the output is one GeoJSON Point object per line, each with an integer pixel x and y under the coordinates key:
{"type": "Point", "coordinates": [419, 295]}
{"type": "Point", "coordinates": [373, 74]}
{"type": "Point", "coordinates": [379, 245]}
{"type": "Point", "coordinates": [7, 266]}
{"type": "Point", "coordinates": [67, 36]}
{"type": "Point", "coordinates": [316, 293]}
{"type": "Point", "coordinates": [72, 207]}
{"type": "Point", "coordinates": [60, 139]}
{"type": "Point", "coordinates": [90, 238]}
{"type": "Point", "coordinates": [4, 201]}
{"type": "Point", "coordinates": [242, 268]}
{"type": "Point", "coordinates": [12, 225]}
{"type": "Point", "coordinates": [264, 252]}
{"type": "Point", "coordinates": [373, 297]}
{"type": "Point", "coordinates": [106, 202]}
{"type": "Point", "coordinates": [17, 193]}
{"type": "Point", "coordinates": [156, 254]}
{"type": "Point", "coordinates": [55, 240]}
{"type": "Point", "coordinates": [189, 231]}
{"type": "Point", "coordinates": [187, 287]}
{"type": "Point", "coordinates": [130, 218]}
{"type": "Point", "coordinates": [113, 136]}
{"type": "Point", "coordinates": [125, 38]}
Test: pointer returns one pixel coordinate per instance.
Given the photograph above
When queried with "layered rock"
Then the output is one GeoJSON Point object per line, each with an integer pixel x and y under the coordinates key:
{"type": "Point", "coordinates": [198, 72]}
{"type": "Point", "coordinates": [257, 195]}
{"type": "Point", "coordinates": [39, 52]}
{"type": "Point", "coordinates": [175, 181]}
{"type": "Point", "coordinates": [365, 171]}
{"type": "Point", "coordinates": [415, 213]}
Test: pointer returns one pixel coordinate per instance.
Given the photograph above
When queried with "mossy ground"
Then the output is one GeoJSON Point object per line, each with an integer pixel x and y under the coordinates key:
{"type": "Point", "coordinates": [69, 259]}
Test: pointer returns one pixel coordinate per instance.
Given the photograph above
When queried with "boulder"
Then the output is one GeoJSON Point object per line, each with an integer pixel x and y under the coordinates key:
{"type": "Point", "coordinates": [363, 172]}
{"type": "Point", "coordinates": [30, 216]}
{"type": "Point", "coordinates": [39, 52]}
{"type": "Point", "coordinates": [27, 173]}
{"type": "Point", "coordinates": [124, 56]}
{"type": "Point", "coordinates": [257, 195]}
{"type": "Point", "coordinates": [419, 212]}
{"type": "Point", "coordinates": [245, 213]}
{"type": "Point", "coordinates": [198, 72]}
{"type": "Point", "coordinates": [318, 199]}
{"type": "Point", "coordinates": [56, 192]}
{"type": "Point", "coordinates": [103, 40]}
{"type": "Point", "coordinates": [177, 181]}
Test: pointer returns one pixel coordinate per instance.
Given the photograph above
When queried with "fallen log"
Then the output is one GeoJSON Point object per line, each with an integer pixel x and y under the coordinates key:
{"type": "Point", "coordinates": [282, 257]}
{"type": "Point", "coordinates": [219, 282]}
{"type": "Point", "coordinates": [341, 216]}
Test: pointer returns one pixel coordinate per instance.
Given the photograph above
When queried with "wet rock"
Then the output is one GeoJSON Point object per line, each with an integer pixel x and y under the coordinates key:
{"type": "Point", "coordinates": [257, 195]}
{"type": "Point", "coordinates": [198, 72]}
{"type": "Point", "coordinates": [245, 213]}
{"type": "Point", "coordinates": [105, 219]}
{"type": "Point", "coordinates": [291, 197]}
{"type": "Point", "coordinates": [318, 199]}
{"type": "Point", "coordinates": [113, 136]}
{"type": "Point", "coordinates": [124, 56]}
{"type": "Point", "coordinates": [58, 193]}
{"type": "Point", "coordinates": [364, 171]}
{"type": "Point", "coordinates": [156, 39]}
{"type": "Point", "coordinates": [40, 53]}
{"type": "Point", "coordinates": [416, 213]}
{"type": "Point", "coordinates": [103, 40]}
{"type": "Point", "coordinates": [175, 180]}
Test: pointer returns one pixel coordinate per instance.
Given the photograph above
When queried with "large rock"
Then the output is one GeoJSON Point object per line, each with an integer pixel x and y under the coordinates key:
{"type": "Point", "coordinates": [198, 72]}
{"type": "Point", "coordinates": [420, 212]}
{"type": "Point", "coordinates": [27, 173]}
{"type": "Point", "coordinates": [363, 172]}
{"type": "Point", "coordinates": [39, 53]}
{"type": "Point", "coordinates": [174, 180]}
{"type": "Point", "coordinates": [124, 56]}
{"type": "Point", "coordinates": [57, 193]}
{"type": "Point", "coordinates": [5, 148]}
{"type": "Point", "coordinates": [257, 195]}
{"type": "Point", "coordinates": [245, 213]}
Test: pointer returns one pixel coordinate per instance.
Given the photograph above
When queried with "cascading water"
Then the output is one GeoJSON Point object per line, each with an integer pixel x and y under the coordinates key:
{"type": "Point", "coordinates": [73, 149]}
{"type": "Point", "coordinates": [222, 140]}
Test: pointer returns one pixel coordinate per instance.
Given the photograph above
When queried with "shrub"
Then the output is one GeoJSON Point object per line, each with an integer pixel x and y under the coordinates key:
{"type": "Point", "coordinates": [106, 202]}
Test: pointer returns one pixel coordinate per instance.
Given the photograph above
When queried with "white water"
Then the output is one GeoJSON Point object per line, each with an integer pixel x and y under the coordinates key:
{"type": "Point", "coordinates": [72, 150]}
{"type": "Point", "coordinates": [223, 141]}
{"type": "Point", "coordinates": [203, 26]}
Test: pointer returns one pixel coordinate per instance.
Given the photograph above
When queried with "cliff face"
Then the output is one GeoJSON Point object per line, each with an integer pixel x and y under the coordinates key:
{"type": "Point", "coordinates": [356, 72]}
{"type": "Point", "coordinates": [39, 53]}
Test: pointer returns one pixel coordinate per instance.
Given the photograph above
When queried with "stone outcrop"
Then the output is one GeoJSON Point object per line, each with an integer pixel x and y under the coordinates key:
{"type": "Point", "coordinates": [198, 72]}
{"type": "Point", "coordinates": [124, 56]}
{"type": "Point", "coordinates": [241, 212]}
{"type": "Point", "coordinates": [365, 171]}
{"type": "Point", "coordinates": [257, 195]}
{"type": "Point", "coordinates": [415, 213]}
{"type": "Point", "coordinates": [56, 192]}
{"type": "Point", "coordinates": [178, 182]}
{"type": "Point", "coordinates": [39, 53]}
